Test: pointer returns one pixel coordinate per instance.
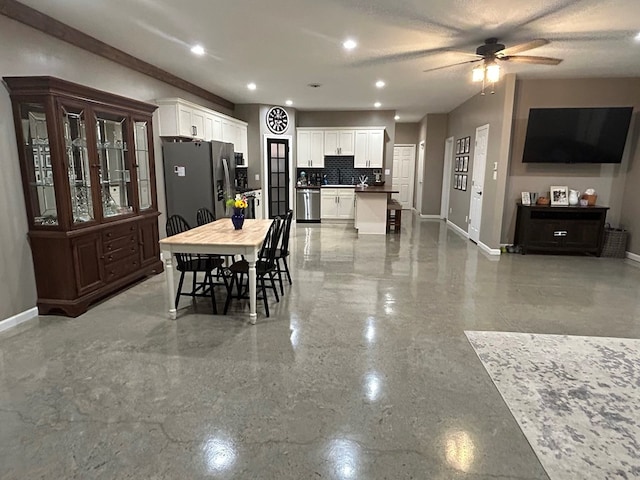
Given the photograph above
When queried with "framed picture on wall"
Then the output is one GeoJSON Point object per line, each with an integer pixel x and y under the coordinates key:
{"type": "Point", "coordinates": [457, 167]}
{"type": "Point", "coordinates": [465, 164]}
{"type": "Point", "coordinates": [455, 182]}
{"type": "Point", "coordinates": [464, 183]}
{"type": "Point", "coordinates": [457, 146]}
{"type": "Point", "coordinates": [467, 145]}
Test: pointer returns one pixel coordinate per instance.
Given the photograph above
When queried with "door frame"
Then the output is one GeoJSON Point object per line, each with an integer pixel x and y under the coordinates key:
{"type": "Point", "coordinates": [474, 174]}
{"type": "Point", "coordinates": [446, 177]}
{"type": "Point", "coordinates": [419, 177]}
{"type": "Point", "coordinates": [413, 171]}
{"type": "Point", "coordinates": [265, 169]}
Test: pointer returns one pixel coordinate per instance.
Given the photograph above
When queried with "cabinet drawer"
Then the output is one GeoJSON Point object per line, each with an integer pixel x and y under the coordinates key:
{"type": "Point", "coordinates": [116, 255]}
{"type": "Point", "coordinates": [118, 243]}
{"type": "Point", "coordinates": [122, 267]}
{"type": "Point", "coordinates": [115, 232]}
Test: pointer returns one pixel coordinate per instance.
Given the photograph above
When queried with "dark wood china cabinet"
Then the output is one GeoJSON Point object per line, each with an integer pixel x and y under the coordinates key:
{"type": "Point", "coordinates": [86, 158]}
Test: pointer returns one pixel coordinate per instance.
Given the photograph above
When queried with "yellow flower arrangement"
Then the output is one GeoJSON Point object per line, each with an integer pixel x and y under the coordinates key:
{"type": "Point", "coordinates": [238, 202]}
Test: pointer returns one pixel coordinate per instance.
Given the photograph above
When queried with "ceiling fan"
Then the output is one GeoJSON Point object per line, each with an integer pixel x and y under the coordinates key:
{"type": "Point", "coordinates": [491, 52]}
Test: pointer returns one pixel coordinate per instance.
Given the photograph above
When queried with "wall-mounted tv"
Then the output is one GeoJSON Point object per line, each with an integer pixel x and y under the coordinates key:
{"type": "Point", "coordinates": [576, 135]}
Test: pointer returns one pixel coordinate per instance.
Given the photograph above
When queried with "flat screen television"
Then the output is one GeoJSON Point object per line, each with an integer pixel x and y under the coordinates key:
{"type": "Point", "coordinates": [576, 135]}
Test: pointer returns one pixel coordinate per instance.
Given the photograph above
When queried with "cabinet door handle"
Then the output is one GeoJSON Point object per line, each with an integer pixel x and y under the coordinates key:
{"type": "Point", "coordinates": [560, 233]}
{"type": "Point", "coordinates": [194, 130]}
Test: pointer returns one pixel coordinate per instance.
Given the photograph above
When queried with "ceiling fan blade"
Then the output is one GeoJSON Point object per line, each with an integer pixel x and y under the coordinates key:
{"type": "Point", "coordinates": [528, 59]}
{"type": "Point", "coordinates": [453, 65]}
{"type": "Point", "coordinates": [399, 57]}
{"type": "Point", "coordinates": [523, 47]}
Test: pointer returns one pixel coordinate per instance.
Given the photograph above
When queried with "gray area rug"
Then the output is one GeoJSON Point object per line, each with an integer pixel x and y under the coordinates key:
{"type": "Point", "coordinates": [577, 399]}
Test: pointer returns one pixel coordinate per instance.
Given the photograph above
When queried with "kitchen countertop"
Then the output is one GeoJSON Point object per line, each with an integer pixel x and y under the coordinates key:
{"type": "Point", "coordinates": [374, 189]}
{"type": "Point", "coordinates": [307, 187]}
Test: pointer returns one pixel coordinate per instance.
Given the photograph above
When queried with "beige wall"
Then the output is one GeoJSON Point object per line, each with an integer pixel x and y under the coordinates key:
{"type": "Point", "coordinates": [26, 51]}
{"type": "Point", "coordinates": [363, 118]}
{"type": "Point", "coordinates": [407, 133]}
{"type": "Point", "coordinates": [434, 163]}
{"type": "Point", "coordinates": [609, 181]}
{"type": "Point", "coordinates": [495, 110]}
{"type": "Point", "coordinates": [630, 212]}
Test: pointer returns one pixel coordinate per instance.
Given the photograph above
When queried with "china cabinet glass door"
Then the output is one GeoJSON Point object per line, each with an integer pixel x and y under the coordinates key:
{"type": "Point", "coordinates": [141, 137]}
{"type": "Point", "coordinates": [79, 171]}
{"type": "Point", "coordinates": [114, 173]}
{"type": "Point", "coordinates": [38, 164]}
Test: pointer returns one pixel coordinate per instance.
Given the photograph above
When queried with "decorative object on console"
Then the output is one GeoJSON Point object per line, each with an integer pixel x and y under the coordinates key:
{"type": "Point", "coordinates": [542, 201]}
{"type": "Point", "coordinates": [526, 198]}
{"type": "Point", "coordinates": [574, 197]}
{"type": "Point", "coordinates": [559, 195]}
{"type": "Point", "coordinates": [590, 196]}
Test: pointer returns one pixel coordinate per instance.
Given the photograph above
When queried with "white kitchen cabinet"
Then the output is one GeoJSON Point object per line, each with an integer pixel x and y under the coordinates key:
{"type": "Point", "coordinates": [337, 203]}
{"type": "Point", "coordinates": [310, 149]}
{"type": "Point", "coordinates": [369, 149]}
{"type": "Point", "coordinates": [179, 118]}
{"type": "Point", "coordinates": [339, 142]}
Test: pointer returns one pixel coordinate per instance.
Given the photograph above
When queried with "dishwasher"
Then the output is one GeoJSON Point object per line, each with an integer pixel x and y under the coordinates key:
{"type": "Point", "coordinates": [308, 205]}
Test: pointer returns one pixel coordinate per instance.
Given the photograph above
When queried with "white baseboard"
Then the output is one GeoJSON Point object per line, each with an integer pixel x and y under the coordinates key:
{"type": "Point", "coordinates": [633, 256]}
{"type": "Point", "coordinates": [458, 229]}
{"type": "Point", "coordinates": [431, 217]}
{"type": "Point", "coordinates": [489, 250]}
{"type": "Point", "coordinates": [18, 319]}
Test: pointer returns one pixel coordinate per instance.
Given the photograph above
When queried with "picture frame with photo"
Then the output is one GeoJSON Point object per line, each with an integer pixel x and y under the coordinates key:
{"type": "Point", "coordinates": [464, 183]}
{"type": "Point", "coordinates": [525, 198]}
{"type": "Point", "coordinates": [467, 144]}
{"type": "Point", "coordinates": [465, 164]}
{"type": "Point", "coordinates": [457, 167]}
{"type": "Point", "coordinates": [47, 160]}
{"type": "Point", "coordinates": [458, 146]}
{"type": "Point", "coordinates": [455, 182]}
{"type": "Point", "coordinates": [559, 194]}
{"type": "Point", "coordinates": [459, 182]}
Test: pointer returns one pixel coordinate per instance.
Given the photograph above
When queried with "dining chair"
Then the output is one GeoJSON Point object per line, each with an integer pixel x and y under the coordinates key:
{"type": "Point", "coordinates": [266, 268]}
{"type": "Point", "coordinates": [283, 251]}
{"type": "Point", "coordinates": [194, 264]}
{"type": "Point", "coordinates": [204, 216]}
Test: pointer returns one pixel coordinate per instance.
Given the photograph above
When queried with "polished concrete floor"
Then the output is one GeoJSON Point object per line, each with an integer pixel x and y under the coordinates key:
{"type": "Point", "coordinates": [362, 371]}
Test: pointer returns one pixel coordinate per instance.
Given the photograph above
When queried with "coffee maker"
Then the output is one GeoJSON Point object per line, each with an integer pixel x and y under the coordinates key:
{"type": "Point", "coordinates": [378, 178]}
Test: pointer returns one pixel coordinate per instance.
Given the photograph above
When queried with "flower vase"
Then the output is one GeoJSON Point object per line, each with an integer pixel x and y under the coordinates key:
{"type": "Point", "coordinates": [237, 218]}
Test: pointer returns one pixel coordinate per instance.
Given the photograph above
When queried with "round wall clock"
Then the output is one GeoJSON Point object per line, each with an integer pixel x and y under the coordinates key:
{"type": "Point", "coordinates": [277, 119]}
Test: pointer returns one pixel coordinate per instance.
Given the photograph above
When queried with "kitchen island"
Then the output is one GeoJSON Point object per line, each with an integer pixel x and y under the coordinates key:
{"type": "Point", "coordinates": [371, 209]}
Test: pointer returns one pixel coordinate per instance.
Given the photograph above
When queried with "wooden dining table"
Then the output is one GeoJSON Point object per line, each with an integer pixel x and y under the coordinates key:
{"type": "Point", "coordinates": [220, 238]}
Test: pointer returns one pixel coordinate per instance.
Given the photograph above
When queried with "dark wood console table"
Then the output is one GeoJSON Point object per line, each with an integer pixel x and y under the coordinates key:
{"type": "Point", "coordinates": [560, 229]}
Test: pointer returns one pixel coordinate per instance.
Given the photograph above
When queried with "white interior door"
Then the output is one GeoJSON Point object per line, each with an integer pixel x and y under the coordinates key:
{"type": "Point", "coordinates": [477, 182]}
{"type": "Point", "coordinates": [420, 179]}
{"type": "Point", "coordinates": [404, 166]}
{"type": "Point", "coordinates": [446, 177]}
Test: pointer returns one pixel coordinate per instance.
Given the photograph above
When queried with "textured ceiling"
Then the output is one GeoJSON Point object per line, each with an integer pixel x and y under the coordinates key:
{"type": "Point", "coordinates": [283, 45]}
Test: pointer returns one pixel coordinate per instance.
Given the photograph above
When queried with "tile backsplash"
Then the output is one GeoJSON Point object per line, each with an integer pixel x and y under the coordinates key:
{"type": "Point", "coordinates": [339, 170]}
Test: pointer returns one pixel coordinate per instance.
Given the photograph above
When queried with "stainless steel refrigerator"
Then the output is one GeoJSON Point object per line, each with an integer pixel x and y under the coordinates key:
{"type": "Point", "coordinates": [196, 175]}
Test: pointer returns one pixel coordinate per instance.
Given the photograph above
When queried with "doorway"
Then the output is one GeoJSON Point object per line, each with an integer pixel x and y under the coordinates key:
{"type": "Point", "coordinates": [404, 166]}
{"type": "Point", "coordinates": [278, 177]}
{"type": "Point", "coordinates": [420, 178]}
{"type": "Point", "coordinates": [477, 182]}
{"type": "Point", "coordinates": [446, 177]}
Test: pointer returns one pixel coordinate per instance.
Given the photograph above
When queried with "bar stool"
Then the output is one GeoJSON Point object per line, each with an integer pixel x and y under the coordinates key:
{"type": "Point", "coordinates": [394, 215]}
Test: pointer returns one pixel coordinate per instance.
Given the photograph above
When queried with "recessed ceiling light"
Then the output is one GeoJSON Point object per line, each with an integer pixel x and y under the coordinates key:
{"type": "Point", "coordinates": [377, 104]}
{"type": "Point", "coordinates": [197, 50]}
{"type": "Point", "coordinates": [251, 86]}
{"type": "Point", "coordinates": [397, 117]}
{"type": "Point", "coordinates": [349, 44]}
{"type": "Point", "coordinates": [380, 84]}
{"type": "Point", "coordinates": [289, 102]}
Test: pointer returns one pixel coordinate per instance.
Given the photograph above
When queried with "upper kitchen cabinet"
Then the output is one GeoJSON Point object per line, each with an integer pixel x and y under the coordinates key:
{"type": "Point", "coordinates": [339, 142]}
{"type": "Point", "coordinates": [88, 177]}
{"type": "Point", "coordinates": [310, 148]}
{"type": "Point", "coordinates": [369, 148]}
{"type": "Point", "coordinates": [179, 118]}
